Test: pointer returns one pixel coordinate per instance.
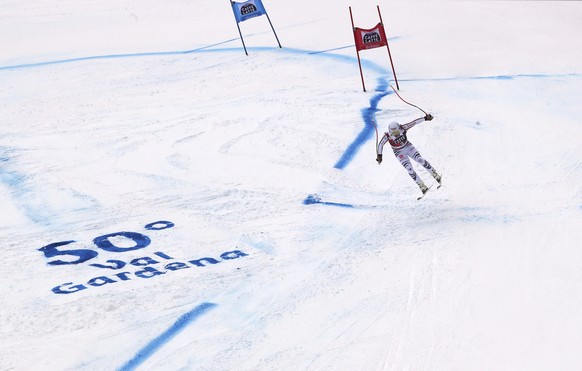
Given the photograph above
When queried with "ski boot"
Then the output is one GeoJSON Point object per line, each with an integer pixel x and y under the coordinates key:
{"type": "Point", "coordinates": [436, 176]}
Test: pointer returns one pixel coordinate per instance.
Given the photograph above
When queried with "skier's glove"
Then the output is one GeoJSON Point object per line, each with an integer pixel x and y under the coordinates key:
{"type": "Point", "coordinates": [379, 158]}
{"type": "Point", "coordinates": [428, 117]}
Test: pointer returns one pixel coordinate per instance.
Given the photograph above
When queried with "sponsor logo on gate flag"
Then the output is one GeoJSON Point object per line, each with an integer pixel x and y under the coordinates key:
{"type": "Point", "coordinates": [247, 10]}
{"type": "Point", "coordinates": [369, 39]}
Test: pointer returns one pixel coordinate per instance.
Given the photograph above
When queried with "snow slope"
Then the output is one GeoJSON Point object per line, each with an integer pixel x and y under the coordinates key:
{"type": "Point", "coordinates": [169, 203]}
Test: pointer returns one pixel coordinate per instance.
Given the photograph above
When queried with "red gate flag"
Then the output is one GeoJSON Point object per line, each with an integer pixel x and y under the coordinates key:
{"type": "Point", "coordinates": [370, 39]}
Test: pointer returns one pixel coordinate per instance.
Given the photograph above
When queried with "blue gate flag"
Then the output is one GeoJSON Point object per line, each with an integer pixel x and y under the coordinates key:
{"type": "Point", "coordinates": [247, 10]}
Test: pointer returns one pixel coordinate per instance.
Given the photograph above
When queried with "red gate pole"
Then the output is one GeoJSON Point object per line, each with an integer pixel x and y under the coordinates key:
{"type": "Point", "coordinates": [357, 51]}
{"type": "Point", "coordinates": [387, 47]}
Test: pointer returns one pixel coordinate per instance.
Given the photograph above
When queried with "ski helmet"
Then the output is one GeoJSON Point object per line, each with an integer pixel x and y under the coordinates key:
{"type": "Point", "coordinates": [394, 128]}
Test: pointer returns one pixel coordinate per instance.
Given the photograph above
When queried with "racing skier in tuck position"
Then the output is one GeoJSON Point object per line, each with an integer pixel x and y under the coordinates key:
{"type": "Point", "coordinates": [404, 150]}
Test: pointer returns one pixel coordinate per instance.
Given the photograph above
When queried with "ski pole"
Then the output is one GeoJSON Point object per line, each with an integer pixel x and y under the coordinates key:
{"type": "Point", "coordinates": [376, 129]}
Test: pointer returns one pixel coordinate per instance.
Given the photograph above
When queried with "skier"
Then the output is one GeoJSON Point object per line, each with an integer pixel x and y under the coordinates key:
{"type": "Point", "coordinates": [404, 150]}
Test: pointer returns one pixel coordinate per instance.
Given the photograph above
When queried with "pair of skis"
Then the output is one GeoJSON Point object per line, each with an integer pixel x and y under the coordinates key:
{"type": "Point", "coordinates": [424, 194]}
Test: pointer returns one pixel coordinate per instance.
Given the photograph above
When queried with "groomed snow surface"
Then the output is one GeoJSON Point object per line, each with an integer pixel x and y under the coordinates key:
{"type": "Point", "coordinates": [169, 203]}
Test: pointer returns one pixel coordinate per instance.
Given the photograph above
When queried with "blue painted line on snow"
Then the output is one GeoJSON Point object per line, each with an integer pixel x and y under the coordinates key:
{"type": "Point", "coordinates": [206, 49]}
{"type": "Point", "coordinates": [494, 77]}
{"type": "Point", "coordinates": [313, 199]}
{"type": "Point", "coordinates": [166, 336]}
{"type": "Point", "coordinates": [331, 50]}
{"type": "Point", "coordinates": [113, 56]}
{"type": "Point", "coordinates": [369, 116]}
